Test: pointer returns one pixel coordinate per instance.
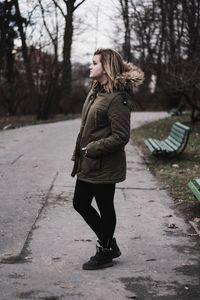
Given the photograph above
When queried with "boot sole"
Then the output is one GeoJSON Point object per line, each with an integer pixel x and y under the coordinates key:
{"type": "Point", "coordinates": [97, 267]}
{"type": "Point", "coordinates": [115, 255]}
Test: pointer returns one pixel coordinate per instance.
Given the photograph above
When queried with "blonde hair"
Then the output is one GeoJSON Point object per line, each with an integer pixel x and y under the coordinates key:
{"type": "Point", "coordinates": [113, 65]}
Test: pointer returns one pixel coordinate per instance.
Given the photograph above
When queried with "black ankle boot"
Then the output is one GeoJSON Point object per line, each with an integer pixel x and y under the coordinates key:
{"type": "Point", "coordinates": [115, 251]}
{"type": "Point", "coordinates": [102, 259]}
{"type": "Point", "coordinates": [115, 248]}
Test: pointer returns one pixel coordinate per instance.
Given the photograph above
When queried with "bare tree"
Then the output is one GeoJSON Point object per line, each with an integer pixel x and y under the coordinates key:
{"type": "Point", "coordinates": [49, 92]}
{"type": "Point", "coordinates": [45, 74]}
{"type": "Point", "coordinates": [124, 5]}
{"type": "Point", "coordinates": [181, 74]}
{"type": "Point", "coordinates": [7, 36]}
{"type": "Point", "coordinates": [21, 23]}
{"type": "Point", "coordinates": [66, 77]}
{"type": "Point", "coordinates": [167, 42]}
{"type": "Point", "coordinates": [12, 27]}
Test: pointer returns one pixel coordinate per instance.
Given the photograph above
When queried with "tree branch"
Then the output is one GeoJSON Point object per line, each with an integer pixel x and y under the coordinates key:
{"type": "Point", "coordinates": [44, 21]}
{"type": "Point", "coordinates": [75, 7]}
{"type": "Point", "coordinates": [59, 7]}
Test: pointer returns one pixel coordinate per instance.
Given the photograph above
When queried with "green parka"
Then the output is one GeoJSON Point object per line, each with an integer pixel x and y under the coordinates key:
{"type": "Point", "coordinates": [105, 130]}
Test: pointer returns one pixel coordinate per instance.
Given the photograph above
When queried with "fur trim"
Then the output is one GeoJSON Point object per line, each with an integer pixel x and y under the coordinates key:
{"type": "Point", "coordinates": [130, 78]}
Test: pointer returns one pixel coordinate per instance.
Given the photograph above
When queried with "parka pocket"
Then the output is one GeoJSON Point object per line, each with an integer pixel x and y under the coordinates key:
{"type": "Point", "coordinates": [90, 165]}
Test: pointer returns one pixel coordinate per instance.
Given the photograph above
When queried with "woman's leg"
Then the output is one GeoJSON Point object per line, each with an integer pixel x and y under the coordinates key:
{"type": "Point", "coordinates": [103, 225]}
{"type": "Point", "coordinates": [82, 200]}
{"type": "Point", "coordinates": [104, 195]}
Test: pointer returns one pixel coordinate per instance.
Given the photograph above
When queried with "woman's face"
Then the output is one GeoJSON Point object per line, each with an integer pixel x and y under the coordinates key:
{"type": "Point", "coordinates": [96, 69]}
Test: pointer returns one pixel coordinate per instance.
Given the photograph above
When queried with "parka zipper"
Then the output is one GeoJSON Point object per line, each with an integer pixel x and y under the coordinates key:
{"type": "Point", "coordinates": [78, 142]}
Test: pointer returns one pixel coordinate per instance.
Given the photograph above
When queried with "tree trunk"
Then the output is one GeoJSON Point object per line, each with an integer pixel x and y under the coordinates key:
{"type": "Point", "coordinates": [27, 64]}
{"type": "Point", "coordinates": [127, 35]}
{"type": "Point", "coordinates": [7, 35]}
{"type": "Point", "coordinates": [66, 81]}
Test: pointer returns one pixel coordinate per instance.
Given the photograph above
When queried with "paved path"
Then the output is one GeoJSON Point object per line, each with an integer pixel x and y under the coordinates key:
{"type": "Point", "coordinates": [37, 221]}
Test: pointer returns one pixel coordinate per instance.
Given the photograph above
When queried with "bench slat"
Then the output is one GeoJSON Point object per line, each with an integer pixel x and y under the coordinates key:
{"type": "Point", "coordinates": [177, 134]}
{"type": "Point", "coordinates": [167, 147]}
{"type": "Point", "coordinates": [154, 143]}
{"type": "Point", "coordinates": [149, 145]}
{"type": "Point", "coordinates": [162, 146]}
{"type": "Point", "coordinates": [175, 142]}
{"type": "Point", "coordinates": [178, 129]}
{"type": "Point", "coordinates": [195, 188]}
{"type": "Point", "coordinates": [187, 128]}
{"type": "Point", "coordinates": [172, 145]}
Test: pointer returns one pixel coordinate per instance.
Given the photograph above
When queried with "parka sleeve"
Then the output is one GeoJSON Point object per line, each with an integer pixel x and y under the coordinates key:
{"type": "Point", "coordinates": [119, 118]}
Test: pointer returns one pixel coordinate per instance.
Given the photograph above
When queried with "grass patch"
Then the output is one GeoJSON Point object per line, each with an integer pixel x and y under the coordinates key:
{"type": "Point", "coordinates": [174, 173]}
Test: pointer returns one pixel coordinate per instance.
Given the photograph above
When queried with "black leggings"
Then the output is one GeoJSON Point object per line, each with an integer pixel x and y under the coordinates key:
{"type": "Point", "coordinates": [102, 224]}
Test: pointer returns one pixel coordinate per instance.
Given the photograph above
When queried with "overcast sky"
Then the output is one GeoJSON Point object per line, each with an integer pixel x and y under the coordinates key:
{"type": "Point", "coordinates": [96, 14]}
{"type": "Point", "coordinates": [94, 27]}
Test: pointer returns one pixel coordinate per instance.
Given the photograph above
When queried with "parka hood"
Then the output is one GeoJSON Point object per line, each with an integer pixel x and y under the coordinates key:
{"type": "Point", "coordinates": [131, 78]}
{"type": "Point", "coordinates": [127, 81]}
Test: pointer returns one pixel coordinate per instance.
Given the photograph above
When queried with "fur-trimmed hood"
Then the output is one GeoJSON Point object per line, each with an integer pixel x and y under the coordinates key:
{"type": "Point", "coordinates": [131, 78]}
{"type": "Point", "coordinates": [127, 81]}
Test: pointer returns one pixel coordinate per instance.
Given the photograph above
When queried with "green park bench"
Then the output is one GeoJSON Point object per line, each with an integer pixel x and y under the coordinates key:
{"type": "Point", "coordinates": [194, 186]}
{"type": "Point", "coordinates": [173, 145]}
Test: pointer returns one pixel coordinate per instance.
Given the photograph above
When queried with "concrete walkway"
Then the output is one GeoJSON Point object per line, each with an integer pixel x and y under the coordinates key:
{"type": "Point", "coordinates": [44, 241]}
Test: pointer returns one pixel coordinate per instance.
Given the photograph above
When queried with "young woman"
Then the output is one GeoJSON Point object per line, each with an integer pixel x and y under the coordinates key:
{"type": "Point", "coordinates": [99, 156]}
